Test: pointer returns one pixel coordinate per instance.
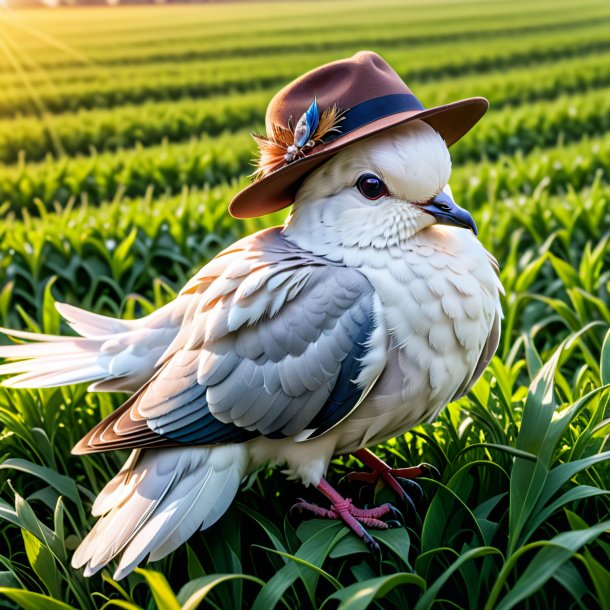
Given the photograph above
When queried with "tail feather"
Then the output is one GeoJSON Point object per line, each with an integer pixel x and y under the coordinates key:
{"type": "Point", "coordinates": [88, 324]}
{"type": "Point", "coordinates": [159, 501]}
{"type": "Point", "coordinates": [53, 347]}
{"type": "Point", "coordinates": [117, 489]}
{"type": "Point", "coordinates": [110, 354]}
{"type": "Point", "coordinates": [38, 377]}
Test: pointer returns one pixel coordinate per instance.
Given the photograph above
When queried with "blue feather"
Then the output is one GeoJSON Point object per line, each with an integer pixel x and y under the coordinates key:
{"type": "Point", "coordinates": [307, 125]}
{"type": "Point", "coordinates": [204, 430]}
{"type": "Point", "coordinates": [312, 116]}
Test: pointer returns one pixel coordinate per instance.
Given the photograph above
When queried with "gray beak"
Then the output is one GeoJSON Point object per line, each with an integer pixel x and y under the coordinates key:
{"type": "Point", "coordinates": [448, 212]}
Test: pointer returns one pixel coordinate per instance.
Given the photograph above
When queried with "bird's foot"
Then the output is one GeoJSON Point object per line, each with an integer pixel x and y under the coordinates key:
{"type": "Point", "coordinates": [399, 480]}
{"type": "Point", "coordinates": [357, 519]}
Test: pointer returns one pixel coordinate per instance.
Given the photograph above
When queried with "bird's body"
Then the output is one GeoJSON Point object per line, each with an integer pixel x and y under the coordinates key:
{"type": "Point", "coordinates": [352, 323]}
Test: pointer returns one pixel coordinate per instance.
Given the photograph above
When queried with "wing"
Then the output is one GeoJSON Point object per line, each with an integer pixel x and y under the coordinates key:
{"type": "Point", "coordinates": [276, 345]}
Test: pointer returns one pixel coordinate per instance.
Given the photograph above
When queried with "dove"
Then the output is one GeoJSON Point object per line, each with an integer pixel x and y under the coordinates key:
{"type": "Point", "coordinates": [370, 309]}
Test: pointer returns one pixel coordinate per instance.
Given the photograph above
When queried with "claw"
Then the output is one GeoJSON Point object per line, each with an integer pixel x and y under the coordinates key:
{"type": "Point", "coordinates": [408, 501]}
{"type": "Point", "coordinates": [355, 518]}
{"type": "Point", "coordinates": [396, 513]}
{"type": "Point", "coordinates": [370, 542]}
{"type": "Point", "coordinates": [399, 480]}
{"type": "Point", "coordinates": [429, 470]}
{"type": "Point", "coordinates": [411, 485]}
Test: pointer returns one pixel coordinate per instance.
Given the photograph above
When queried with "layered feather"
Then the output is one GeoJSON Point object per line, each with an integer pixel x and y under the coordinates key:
{"type": "Point", "coordinates": [157, 502]}
{"type": "Point", "coordinates": [273, 346]}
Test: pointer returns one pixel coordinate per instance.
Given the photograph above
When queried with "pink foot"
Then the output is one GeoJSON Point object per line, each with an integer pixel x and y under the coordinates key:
{"type": "Point", "coordinates": [395, 478]}
{"type": "Point", "coordinates": [355, 518]}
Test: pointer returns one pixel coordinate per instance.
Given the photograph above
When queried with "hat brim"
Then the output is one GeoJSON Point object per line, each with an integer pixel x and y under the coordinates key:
{"type": "Point", "coordinates": [277, 190]}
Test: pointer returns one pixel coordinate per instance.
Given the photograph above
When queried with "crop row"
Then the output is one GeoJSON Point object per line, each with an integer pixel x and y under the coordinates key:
{"type": "Point", "coordinates": [303, 22]}
{"type": "Point", "coordinates": [149, 123]}
{"type": "Point", "coordinates": [86, 70]}
{"type": "Point", "coordinates": [98, 177]}
{"type": "Point", "coordinates": [169, 168]}
{"type": "Point", "coordinates": [318, 35]}
{"type": "Point", "coordinates": [211, 161]}
{"type": "Point", "coordinates": [126, 126]}
{"type": "Point", "coordinates": [119, 85]}
{"type": "Point", "coordinates": [569, 118]}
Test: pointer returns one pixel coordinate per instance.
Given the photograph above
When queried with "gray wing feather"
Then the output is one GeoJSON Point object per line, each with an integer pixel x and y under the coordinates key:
{"type": "Point", "coordinates": [274, 341]}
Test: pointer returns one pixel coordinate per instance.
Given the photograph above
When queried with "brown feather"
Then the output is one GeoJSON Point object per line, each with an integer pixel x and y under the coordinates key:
{"type": "Point", "coordinates": [123, 429]}
{"type": "Point", "coordinates": [329, 123]}
{"type": "Point", "coordinates": [272, 149]}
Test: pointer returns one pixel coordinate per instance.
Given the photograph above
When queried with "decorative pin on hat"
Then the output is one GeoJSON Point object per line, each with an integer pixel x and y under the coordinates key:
{"type": "Point", "coordinates": [286, 145]}
{"type": "Point", "coordinates": [353, 99]}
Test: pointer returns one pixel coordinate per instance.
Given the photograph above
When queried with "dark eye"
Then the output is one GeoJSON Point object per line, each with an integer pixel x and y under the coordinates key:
{"type": "Point", "coordinates": [371, 186]}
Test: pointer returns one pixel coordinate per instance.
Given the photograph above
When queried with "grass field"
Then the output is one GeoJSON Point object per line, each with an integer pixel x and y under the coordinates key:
{"type": "Point", "coordinates": [124, 132]}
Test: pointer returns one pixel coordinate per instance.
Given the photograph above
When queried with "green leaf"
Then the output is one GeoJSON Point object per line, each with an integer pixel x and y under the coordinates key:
{"type": "Point", "coordinates": [8, 579]}
{"type": "Point", "coordinates": [600, 576]}
{"type": "Point", "coordinates": [580, 492]}
{"type": "Point", "coordinates": [64, 485]}
{"type": "Point", "coordinates": [42, 562]}
{"type": "Point", "coordinates": [162, 593]}
{"type": "Point", "coordinates": [50, 316]}
{"type": "Point", "coordinates": [268, 526]}
{"type": "Point", "coordinates": [564, 472]}
{"type": "Point", "coordinates": [34, 601]}
{"type": "Point", "coordinates": [313, 552]}
{"type": "Point", "coordinates": [568, 577]}
{"type": "Point", "coordinates": [396, 539]}
{"type": "Point", "coordinates": [605, 360]}
{"type": "Point", "coordinates": [195, 570]}
{"type": "Point", "coordinates": [350, 545]}
{"type": "Point", "coordinates": [360, 595]}
{"type": "Point", "coordinates": [448, 512]}
{"type": "Point", "coordinates": [32, 524]}
{"type": "Point", "coordinates": [552, 554]}
{"type": "Point", "coordinates": [306, 564]}
{"type": "Point", "coordinates": [527, 478]}
{"type": "Point", "coordinates": [120, 603]}
{"type": "Point", "coordinates": [430, 596]}
{"type": "Point", "coordinates": [195, 591]}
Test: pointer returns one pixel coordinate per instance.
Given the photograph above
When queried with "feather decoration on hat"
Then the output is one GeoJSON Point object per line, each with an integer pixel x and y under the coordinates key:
{"type": "Point", "coordinates": [284, 145]}
{"type": "Point", "coordinates": [307, 125]}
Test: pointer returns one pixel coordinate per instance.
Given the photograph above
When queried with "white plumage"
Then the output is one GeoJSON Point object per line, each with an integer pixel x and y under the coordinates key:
{"type": "Point", "coordinates": [354, 322]}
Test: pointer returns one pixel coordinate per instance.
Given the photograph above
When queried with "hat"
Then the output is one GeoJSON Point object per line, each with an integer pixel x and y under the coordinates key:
{"type": "Point", "coordinates": [329, 108]}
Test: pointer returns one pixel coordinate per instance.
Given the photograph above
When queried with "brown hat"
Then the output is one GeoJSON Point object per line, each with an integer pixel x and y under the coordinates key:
{"type": "Point", "coordinates": [329, 108]}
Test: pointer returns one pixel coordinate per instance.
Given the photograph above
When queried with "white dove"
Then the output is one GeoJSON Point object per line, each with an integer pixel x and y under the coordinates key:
{"type": "Point", "coordinates": [368, 311]}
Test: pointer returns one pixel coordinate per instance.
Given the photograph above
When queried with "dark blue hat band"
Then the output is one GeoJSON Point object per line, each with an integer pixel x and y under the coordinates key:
{"type": "Point", "coordinates": [374, 109]}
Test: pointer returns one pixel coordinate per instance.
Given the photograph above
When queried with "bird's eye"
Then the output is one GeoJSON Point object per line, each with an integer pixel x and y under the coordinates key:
{"type": "Point", "coordinates": [371, 186]}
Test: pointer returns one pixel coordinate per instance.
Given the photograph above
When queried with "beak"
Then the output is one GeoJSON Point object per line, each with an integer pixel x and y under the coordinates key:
{"type": "Point", "coordinates": [448, 212]}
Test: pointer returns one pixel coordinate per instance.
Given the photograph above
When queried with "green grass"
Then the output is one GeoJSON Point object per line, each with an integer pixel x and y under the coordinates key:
{"type": "Point", "coordinates": [126, 134]}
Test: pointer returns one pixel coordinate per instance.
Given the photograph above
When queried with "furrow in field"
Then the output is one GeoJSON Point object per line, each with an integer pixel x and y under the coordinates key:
{"type": "Point", "coordinates": [149, 123]}
{"type": "Point", "coordinates": [126, 84]}
{"type": "Point", "coordinates": [303, 21]}
{"type": "Point", "coordinates": [397, 30]}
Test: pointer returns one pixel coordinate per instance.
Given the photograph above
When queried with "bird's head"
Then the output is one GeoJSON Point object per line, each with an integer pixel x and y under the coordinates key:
{"type": "Point", "coordinates": [377, 193]}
